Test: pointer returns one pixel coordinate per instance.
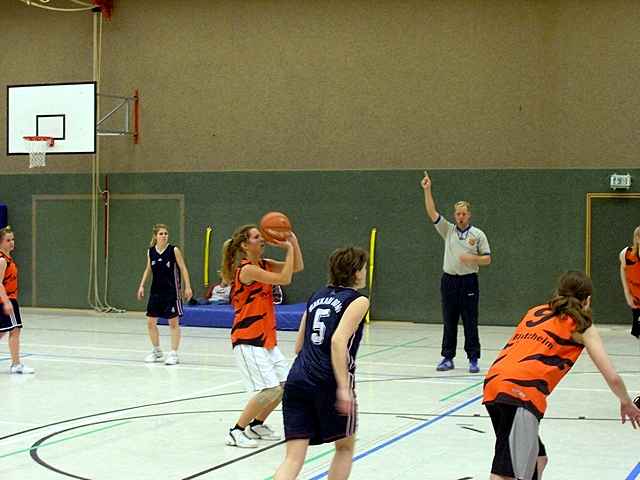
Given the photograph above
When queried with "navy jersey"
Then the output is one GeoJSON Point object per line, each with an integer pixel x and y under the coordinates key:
{"type": "Point", "coordinates": [312, 367]}
{"type": "Point", "coordinates": [166, 273]}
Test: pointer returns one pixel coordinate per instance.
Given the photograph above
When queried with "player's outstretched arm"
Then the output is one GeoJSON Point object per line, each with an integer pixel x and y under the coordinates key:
{"type": "Point", "coordinates": [593, 343]}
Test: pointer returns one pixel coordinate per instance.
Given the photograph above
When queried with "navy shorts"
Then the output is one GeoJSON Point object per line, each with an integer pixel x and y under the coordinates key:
{"type": "Point", "coordinates": [311, 414]}
{"type": "Point", "coordinates": [8, 323]}
{"type": "Point", "coordinates": [160, 306]}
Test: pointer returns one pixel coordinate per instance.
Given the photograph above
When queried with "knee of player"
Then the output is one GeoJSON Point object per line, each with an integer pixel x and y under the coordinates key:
{"type": "Point", "coordinates": [295, 461]}
{"type": "Point", "coordinates": [270, 395]}
{"type": "Point", "coordinates": [542, 462]}
{"type": "Point", "coordinates": [345, 445]}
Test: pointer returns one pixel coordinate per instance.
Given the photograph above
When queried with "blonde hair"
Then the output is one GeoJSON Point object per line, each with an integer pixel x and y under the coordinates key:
{"type": "Point", "coordinates": [232, 252]}
{"type": "Point", "coordinates": [636, 241]}
{"type": "Point", "coordinates": [462, 203]}
{"type": "Point", "coordinates": [5, 231]}
{"type": "Point", "coordinates": [156, 228]}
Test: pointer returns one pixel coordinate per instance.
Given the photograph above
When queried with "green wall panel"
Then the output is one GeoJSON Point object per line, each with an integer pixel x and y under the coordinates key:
{"type": "Point", "coordinates": [534, 219]}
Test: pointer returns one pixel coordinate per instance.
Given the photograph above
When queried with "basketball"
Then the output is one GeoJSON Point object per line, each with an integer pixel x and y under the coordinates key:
{"type": "Point", "coordinates": [275, 226]}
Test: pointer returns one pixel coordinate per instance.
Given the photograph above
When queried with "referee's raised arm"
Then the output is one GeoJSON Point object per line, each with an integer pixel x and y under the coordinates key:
{"type": "Point", "coordinates": [429, 203]}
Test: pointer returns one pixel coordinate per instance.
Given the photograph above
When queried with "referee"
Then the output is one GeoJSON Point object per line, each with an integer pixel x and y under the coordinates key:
{"type": "Point", "coordinates": [466, 248]}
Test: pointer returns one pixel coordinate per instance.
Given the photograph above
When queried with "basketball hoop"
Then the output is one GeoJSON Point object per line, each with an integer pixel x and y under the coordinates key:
{"type": "Point", "coordinates": [37, 147]}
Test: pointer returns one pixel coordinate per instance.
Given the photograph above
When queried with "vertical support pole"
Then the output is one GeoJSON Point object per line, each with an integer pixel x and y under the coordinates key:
{"type": "Point", "coordinates": [136, 116]}
{"type": "Point", "coordinates": [207, 244]}
{"type": "Point", "coordinates": [372, 252]}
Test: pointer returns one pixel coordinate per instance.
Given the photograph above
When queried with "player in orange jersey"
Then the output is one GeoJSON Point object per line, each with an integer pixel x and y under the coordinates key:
{"type": "Point", "coordinates": [630, 278]}
{"type": "Point", "coordinates": [253, 334]}
{"type": "Point", "coordinates": [545, 346]}
{"type": "Point", "coordinates": [10, 320]}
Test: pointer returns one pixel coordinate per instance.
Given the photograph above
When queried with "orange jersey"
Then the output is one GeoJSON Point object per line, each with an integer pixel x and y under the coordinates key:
{"type": "Point", "coordinates": [632, 273]}
{"type": "Point", "coordinates": [538, 355]}
{"type": "Point", "coordinates": [10, 280]}
{"type": "Point", "coordinates": [254, 321]}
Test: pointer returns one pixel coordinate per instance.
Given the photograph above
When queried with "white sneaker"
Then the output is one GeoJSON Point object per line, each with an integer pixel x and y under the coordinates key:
{"type": "Point", "coordinates": [19, 368]}
{"type": "Point", "coordinates": [238, 438]}
{"type": "Point", "coordinates": [172, 358]}
{"type": "Point", "coordinates": [154, 356]}
{"type": "Point", "coordinates": [262, 432]}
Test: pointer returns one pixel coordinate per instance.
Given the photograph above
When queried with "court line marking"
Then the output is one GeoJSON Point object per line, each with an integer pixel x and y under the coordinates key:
{"type": "Point", "coordinates": [405, 434]}
{"type": "Point", "coordinates": [114, 349]}
{"type": "Point", "coordinates": [120, 362]}
{"type": "Point", "coordinates": [164, 402]}
{"type": "Point", "coordinates": [392, 440]}
{"type": "Point", "coordinates": [635, 473]}
{"type": "Point", "coordinates": [90, 432]}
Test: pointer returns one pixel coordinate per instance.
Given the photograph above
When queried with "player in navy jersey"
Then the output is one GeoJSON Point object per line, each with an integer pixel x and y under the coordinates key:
{"type": "Point", "coordinates": [319, 404]}
{"type": "Point", "coordinates": [166, 265]}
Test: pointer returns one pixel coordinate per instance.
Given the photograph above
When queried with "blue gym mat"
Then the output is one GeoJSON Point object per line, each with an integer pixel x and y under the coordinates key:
{"type": "Point", "coordinates": [287, 316]}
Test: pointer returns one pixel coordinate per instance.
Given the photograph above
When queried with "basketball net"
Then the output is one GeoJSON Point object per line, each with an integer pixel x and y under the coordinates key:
{"type": "Point", "coordinates": [37, 148]}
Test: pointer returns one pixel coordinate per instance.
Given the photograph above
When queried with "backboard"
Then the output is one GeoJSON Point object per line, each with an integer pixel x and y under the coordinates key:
{"type": "Point", "coordinates": [64, 111]}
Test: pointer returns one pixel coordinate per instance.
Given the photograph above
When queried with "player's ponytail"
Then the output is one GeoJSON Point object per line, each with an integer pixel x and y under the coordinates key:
{"type": "Point", "coordinates": [573, 289]}
{"type": "Point", "coordinates": [232, 252]}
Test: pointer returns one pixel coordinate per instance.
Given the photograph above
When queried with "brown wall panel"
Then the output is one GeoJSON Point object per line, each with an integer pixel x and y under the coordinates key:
{"type": "Point", "coordinates": [351, 84]}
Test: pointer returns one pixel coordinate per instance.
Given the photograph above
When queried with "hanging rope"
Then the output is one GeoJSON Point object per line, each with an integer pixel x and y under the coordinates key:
{"type": "Point", "coordinates": [93, 294]}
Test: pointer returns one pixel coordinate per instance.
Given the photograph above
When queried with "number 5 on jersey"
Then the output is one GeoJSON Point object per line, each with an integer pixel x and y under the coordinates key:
{"type": "Point", "coordinates": [317, 334]}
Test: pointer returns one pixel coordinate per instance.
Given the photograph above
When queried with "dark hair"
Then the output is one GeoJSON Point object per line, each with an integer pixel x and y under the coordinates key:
{"type": "Point", "coordinates": [573, 289]}
{"type": "Point", "coordinates": [230, 251]}
{"type": "Point", "coordinates": [343, 265]}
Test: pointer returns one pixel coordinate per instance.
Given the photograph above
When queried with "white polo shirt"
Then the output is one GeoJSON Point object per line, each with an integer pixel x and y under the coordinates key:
{"type": "Point", "coordinates": [471, 240]}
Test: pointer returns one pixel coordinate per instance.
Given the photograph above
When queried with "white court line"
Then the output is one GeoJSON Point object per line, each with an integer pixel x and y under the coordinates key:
{"type": "Point", "coordinates": [113, 349]}
{"type": "Point", "coordinates": [97, 361]}
{"type": "Point", "coordinates": [20, 423]}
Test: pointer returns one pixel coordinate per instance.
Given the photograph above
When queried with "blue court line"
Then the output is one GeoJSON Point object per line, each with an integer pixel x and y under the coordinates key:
{"type": "Point", "coordinates": [635, 473]}
{"type": "Point", "coordinates": [409, 432]}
